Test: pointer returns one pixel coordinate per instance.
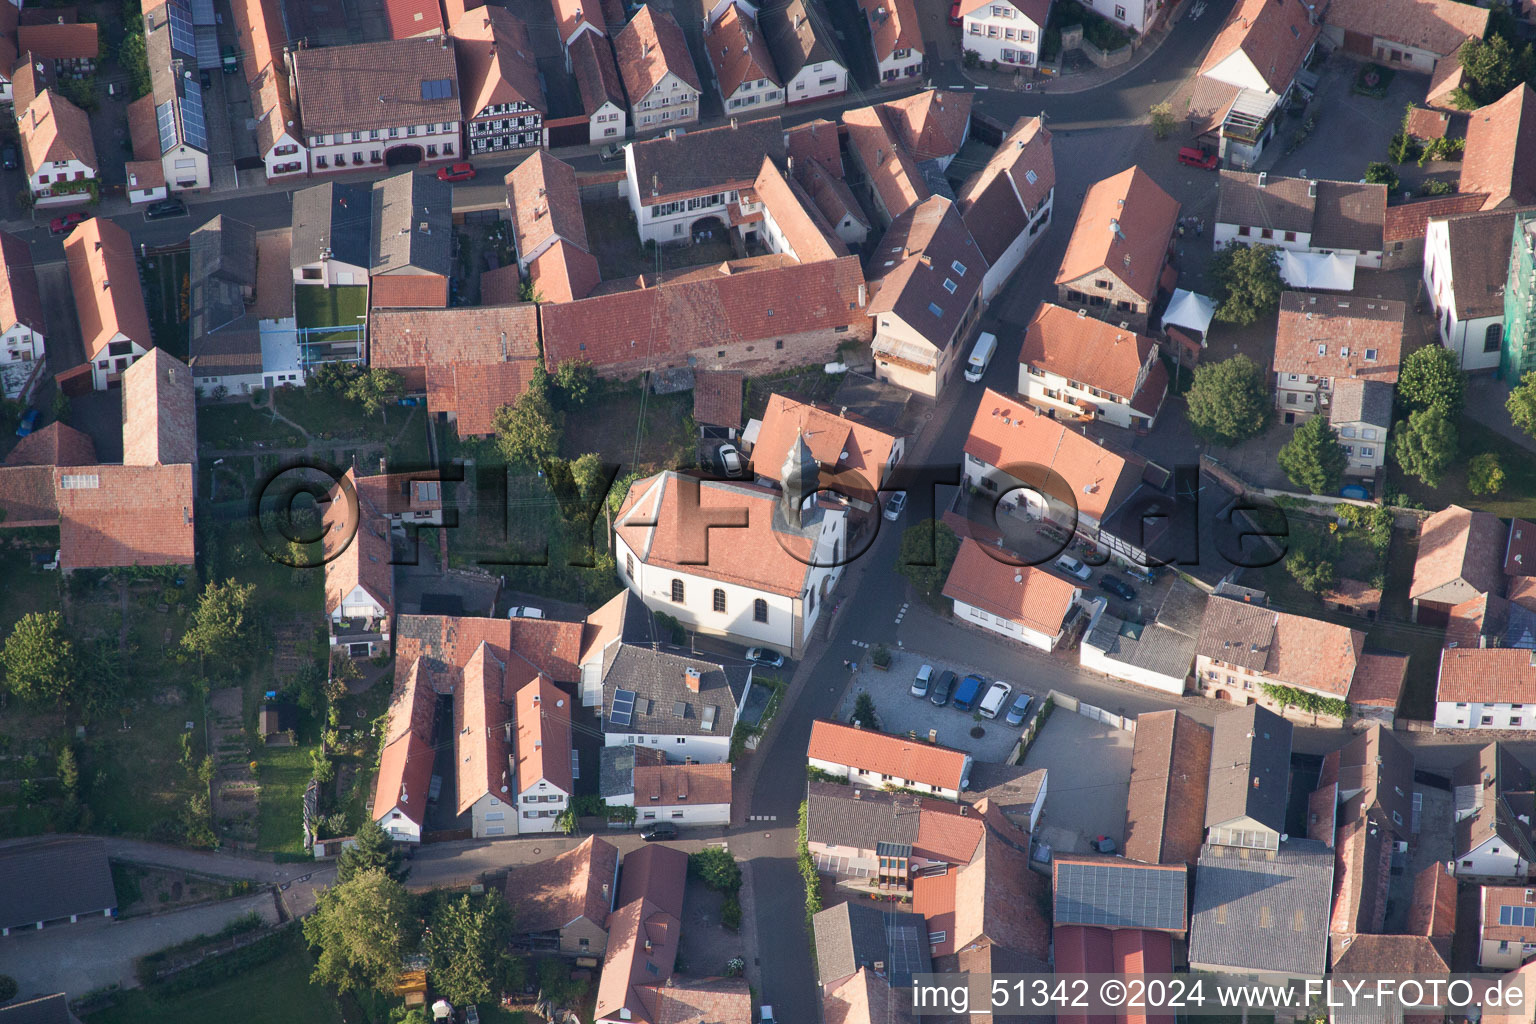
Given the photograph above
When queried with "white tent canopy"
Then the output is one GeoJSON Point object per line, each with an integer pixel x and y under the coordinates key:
{"type": "Point", "coordinates": [1330, 272]}
{"type": "Point", "coordinates": [1191, 310]}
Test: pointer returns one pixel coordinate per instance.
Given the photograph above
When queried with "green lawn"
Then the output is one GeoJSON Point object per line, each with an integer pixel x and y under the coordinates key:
{"type": "Point", "coordinates": [285, 772]}
{"type": "Point", "coordinates": [327, 416]}
{"type": "Point", "coordinates": [1517, 499]}
{"type": "Point", "coordinates": [337, 306]}
{"type": "Point", "coordinates": [410, 450]}
{"type": "Point", "coordinates": [25, 590]}
{"type": "Point", "coordinates": [278, 990]}
{"type": "Point", "coordinates": [237, 425]}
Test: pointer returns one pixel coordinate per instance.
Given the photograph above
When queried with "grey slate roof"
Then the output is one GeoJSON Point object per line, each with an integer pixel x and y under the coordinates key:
{"type": "Point", "coordinates": [334, 216]}
{"type": "Point", "coordinates": [797, 36]}
{"type": "Point", "coordinates": [1362, 401]}
{"type": "Point", "coordinates": [731, 153]}
{"type": "Point", "coordinates": [402, 206]}
{"type": "Point", "coordinates": [44, 880]}
{"type": "Point", "coordinates": [1267, 911]}
{"type": "Point", "coordinates": [1167, 645]}
{"type": "Point", "coordinates": [1337, 214]}
{"type": "Point", "coordinates": [1237, 633]}
{"type": "Point", "coordinates": [1012, 789]}
{"type": "Point", "coordinates": [52, 1009]}
{"type": "Point", "coordinates": [1479, 245]}
{"type": "Point", "coordinates": [657, 677]}
{"type": "Point", "coordinates": [616, 767]}
{"type": "Point", "coordinates": [1247, 746]}
{"type": "Point", "coordinates": [840, 815]}
{"type": "Point", "coordinates": [854, 935]}
{"type": "Point", "coordinates": [1111, 892]}
{"type": "Point", "coordinates": [223, 264]}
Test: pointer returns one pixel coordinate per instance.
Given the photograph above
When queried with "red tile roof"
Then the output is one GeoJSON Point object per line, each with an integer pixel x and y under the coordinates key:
{"type": "Point", "coordinates": [1432, 913]}
{"type": "Point", "coordinates": [569, 14]}
{"type": "Point", "coordinates": [105, 280]}
{"type": "Point", "coordinates": [1407, 222]}
{"type": "Point", "coordinates": [543, 747]}
{"type": "Point", "coordinates": [1025, 594]}
{"type": "Point", "coordinates": [55, 130]}
{"type": "Point", "coordinates": [1458, 546]}
{"type": "Point", "coordinates": [642, 933]}
{"type": "Point", "coordinates": [924, 763]}
{"type": "Point", "coordinates": [597, 76]}
{"type": "Point", "coordinates": [1333, 335]}
{"type": "Point", "coordinates": [1008, 433]}
{"type": "Point", "coordinates": [556, 892]}
{"type": "Point", "coordinates": [947, 833]}
{"type": "Point", "coordinates": [27, 496]}
{"type": "Point", "coordinates": [59, 40]}
{"type": "Point", "coordinates": [479, 718]}
{"type": "Point", "coordinates": [815, 140]}
{"type": "Point", "coordinates": [1165, 807]}
{"type": "Point", "coordinates": [545, 203]}
{"type": "Point", "coordinates": [408, 291]}
{"type": "Point", "coordinates": [563, 273]}
{"type": "Point", "coordinates": [405, 774]}
{"type": "Point", "coordinates": [854, 455]}
{"type": "Point", "coordinates": [1435, 26]}
{"type": "Point", "coordinates": [703, 1001]}
{"type": "Point", "coordinates": [663, 521]}
{"type": "Point", "coordinates": [409, 18]}
{"type": "Point", "coordinates": [159, 411]}
{"type": "Point", "coordinates": [669, 320]}
{"type": "Point", "coordinates": [137, 515]}
{"type": "Point", "coordinates": [717, 399]}
{"type": "Point", "coordinates": [1501, 150]}
{"type": "Point", "coordinates": [357, 549]}
{"type": "Point", "coordinates": [862, 998]}
{"type": "Point", "coordinates": [893, 26]}
{"type": "Point", "coordinates": [1274, 37]}
{"type": "Point", "coordinates": [1086, 349]}
{"type": "Point", "coordinates": [1487, 675]}
{"type": "Point", "coordinates": [738, 52]}
{"type": "Point", "coordinates": [20, 302]}
{"type": "Point", "coordinates": [1425, 123]}
{"type": "Point", "coordinates": [496, 62]}
{"type": "Point", "coordinates": [1146, 216]}
{"type": "Point", "coordinates": [649, 47]}
{"type": "Point", "coordinates": [682, 785]}
{"type": "Point", "coordinates": [501, 287]}
{"type": "Point", "coordinates": [889, 168]}
{"type": "Point", "coordinates": [1520, 550]}
{"type": "Point", "coordinates": [57, 444]}
{"type": "Point", "coordinates": [932, 124]}
{"type": "Point", "coordinates": [998, 202]}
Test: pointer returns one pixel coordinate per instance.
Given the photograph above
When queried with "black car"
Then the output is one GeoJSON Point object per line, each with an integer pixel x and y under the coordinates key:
{"type": "Point", "coordinates": [10, 158]}
{"type": "Point", "coordinates": [942, 689]}
{"type": "Point", "coordinates": [660, 830]}
{"type": "Point", "coordinates": [1124, 591]}
{"type": "Point", "coordinates": [165, 208]}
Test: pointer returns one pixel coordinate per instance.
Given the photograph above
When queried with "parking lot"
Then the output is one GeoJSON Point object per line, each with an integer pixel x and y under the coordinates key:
{"type": "Point", "coordinates": [1090, 766]}
{"type": "Point", "coordinates": [900, 712]}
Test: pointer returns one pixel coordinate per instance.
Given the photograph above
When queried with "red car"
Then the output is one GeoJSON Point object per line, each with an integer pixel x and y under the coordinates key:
{"type": "Point", "coordinates": [59, 225]}
{"type": "Point", "coordinates": [458, 172]}
{"type": "Point", "coordinates": [1194, 156]}
{"type": "Point", "coordinates": [954, 12]}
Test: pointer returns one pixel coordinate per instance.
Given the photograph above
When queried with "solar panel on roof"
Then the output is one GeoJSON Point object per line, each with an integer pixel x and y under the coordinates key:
{"type": "Point", "coordinates": [623, 707]}
{"type": "Point", "coordinates": [1113, 895]}
{"type": "Point", "coordinates": [192, 122]}
{"type": "Point", "coordinates": [436, 89]}
{"type": "Point", "coordinates": [1522, 917]}
{"type": "Point", "coordinates": [165, 120]}
{"type": "Point", "coordinates": [182, 38]}
{"type": "Point", "coordinates": [202, 13]}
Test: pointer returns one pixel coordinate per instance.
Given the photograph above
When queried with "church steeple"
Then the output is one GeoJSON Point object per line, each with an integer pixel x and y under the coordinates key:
{"type": "Point", "coordinates": [799, 478]}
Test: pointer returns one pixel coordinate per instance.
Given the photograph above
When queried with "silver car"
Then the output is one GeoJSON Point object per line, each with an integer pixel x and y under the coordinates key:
{"type": "Point", "coordinates": [895, 505]}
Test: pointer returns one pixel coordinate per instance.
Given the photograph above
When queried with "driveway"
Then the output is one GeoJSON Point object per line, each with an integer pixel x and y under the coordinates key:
{"type": "Point", "coordinates": [1090, 766]}
{"type": "Point", "coordinates": [97, 952]}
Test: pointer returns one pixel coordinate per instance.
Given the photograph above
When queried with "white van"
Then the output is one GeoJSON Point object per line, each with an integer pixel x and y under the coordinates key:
{"type": "Point", "coordinates": [996, 697]}
{"type": "Point", "coordinates": [981, 355]}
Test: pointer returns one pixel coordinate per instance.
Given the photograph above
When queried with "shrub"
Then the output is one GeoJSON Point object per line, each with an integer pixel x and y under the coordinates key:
{"type": "Point", "coordinates": [730, 913]}
{"type": "Point", "coordinates": [716, 868]}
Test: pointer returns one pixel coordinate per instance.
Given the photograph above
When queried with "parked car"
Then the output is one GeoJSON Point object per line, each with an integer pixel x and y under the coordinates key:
{"type": "Point", "coordinates": [967, 692]}
{"type": "Point", "coordinates": [1074, 567]}
{"type": "Point", "coordinates": [28, 422]}
{"type": "Point", "coordinates": [610, 152]}
{"type": "Point", "coordinates": [1124, 591]}
{"type": "Point", "coordinates": [939, 695]}
{"type": "Point", "coordinates": [997, 695]}
{"type": "Point", "coordinates": [1020, 709]}
{"type": "Point", "coordinates": [231, 60]}
{"type": "Point", "coordinates": [924, 681]}
{"type": "Point", "coordinates": [954, 13]}
{"type": "Point", "coordinates": [895, 505]}
{"type": "Point", "coordinates": [59, 225]}
{"type": "Point", "coordinates": [524, 612]}
{"type": "Point", "coordinates": [165, 208]}
{"type": "Point", "coordinates": [660, 830]}
{"type": "Point", "coordinates": [458, 172]}
{"type": "Point", "coordinates": [730, 460]}
{"type": "Point", "coordinates": [10, 158]}
{"type": "Point", "coordinates": [765, 656]}
{"type": "Point", "coordinates": [1194, 156]}
{"type": "Point", "coordinates": [1104, 844]}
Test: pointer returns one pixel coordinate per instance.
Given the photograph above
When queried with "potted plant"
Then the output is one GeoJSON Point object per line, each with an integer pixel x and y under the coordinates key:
{"type": "Point", "coordinates": [880, 657]}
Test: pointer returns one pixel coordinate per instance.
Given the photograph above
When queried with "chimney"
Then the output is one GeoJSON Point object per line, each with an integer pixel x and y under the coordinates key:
{"type": "Point", "coordinates": [856, 792]}
{"type": "Point", "coordinates": [1263, 178]}
{"type": "Point", "coordinates": [691, 679]}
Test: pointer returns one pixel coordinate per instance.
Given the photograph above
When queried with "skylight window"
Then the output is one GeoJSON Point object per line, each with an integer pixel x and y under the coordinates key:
{"type": "Point", "coordinates": [934, 309]}
{"type": "Point", "coordinates": [1031, 177]}
{"type": "Point", "coordinates": [958, 267]}
{"type": "Point", "coordinates": [949, 286]}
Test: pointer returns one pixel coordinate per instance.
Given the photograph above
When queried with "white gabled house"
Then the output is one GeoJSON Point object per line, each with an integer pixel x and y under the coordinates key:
{"type": "Point", "coordinates": [666, 699]}
{"type": "Point", "coordinates": [896, 38]}
{"type": "Point", "coordinates": [683, 794]}
{"type": "Point", "coordinates": [23, 355]}
{"type": "Point", "coordinates": [1465, 287]}
{"type": "Point", "coordinates": [1023, 602]}
{"type": "Point", "coordinates": [1008, 205]}
{"type": "Point", "coordinates": [1006, 31]}
{"type": "Point", "coordinates": [879, 761]}
{"type": "Point", "coordinates": [1491, 794]}
{"type": "Point", "coordinates": [542, 755]}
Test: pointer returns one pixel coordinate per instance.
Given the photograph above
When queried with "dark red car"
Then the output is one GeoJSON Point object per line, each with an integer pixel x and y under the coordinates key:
{"type": "Point", "coordinates": [954, 12]}
{"type": "Point", "coordinates": [59, 225]}
{"type": "Point", "coordinates": [1194, 156]}
{"type": "Point", "coordinates": [458, 172]}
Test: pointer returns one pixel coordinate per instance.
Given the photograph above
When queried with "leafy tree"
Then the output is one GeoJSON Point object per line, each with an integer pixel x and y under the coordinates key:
{"type": "Point", "coordinates": [1491, 68]}
{"type": "Point", "coordinates": [526, 431]}
{"type": "Point", "coordinates": [335, 378]}
{"type": "Point", "coordinates": [1378, 172]}
{"type": "Point", "coordinates": [589, 476]}
{"type": "Point", "coordinates": [219, 630]}
{"type": "Point", "coordinates": [102, 675]}
{"type": "Point", "coordinates": [1248, 283]}
{"type": "Point", "coordinates": [716, 868]}
{"type": "Point", "coordinates": [1522, 404]}
{"type": "Point", "coordinates": [321, 768]}
{"type": "Point", "coordinates": [1313, 458]}
{"type": "Point", "coordinates": [39, 658]}
{"type": "Point", "coordinates": [1425, 444]}
{"type": "Point", "coordinates": [132, 58]}
{"type": "Point", "coordinates": [566, 821]}
{"type": "Point", "coordinates": [1315, 574]}
{"type": "Point", "coordinates": [374, 851]}
{"type": "Point", "coordinates": [928, 550]}
{"type": "Point", "coordinates": [61, 407]}
{"type": "Point", "coordinates": [1484, 474]}
{"type": "Point", "coordinates": [1228, 401]}
{"type": "Point", "coordinates": [575, 379]}
{"type": "Point", "coordinates": [468, 942]}
{"type": "Point", "coordinates": [376, 389]}
{"type": "Point", "coordinates": [361, 929]}
{"type": "Point", "coordinates": [864, 712]}
{"type": "Point", "coordinates": [1163, 121]}
{"type": "Point", "coordinates": [1430, 379]}
{"type": "Point", "coordinates": [69, 773]}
